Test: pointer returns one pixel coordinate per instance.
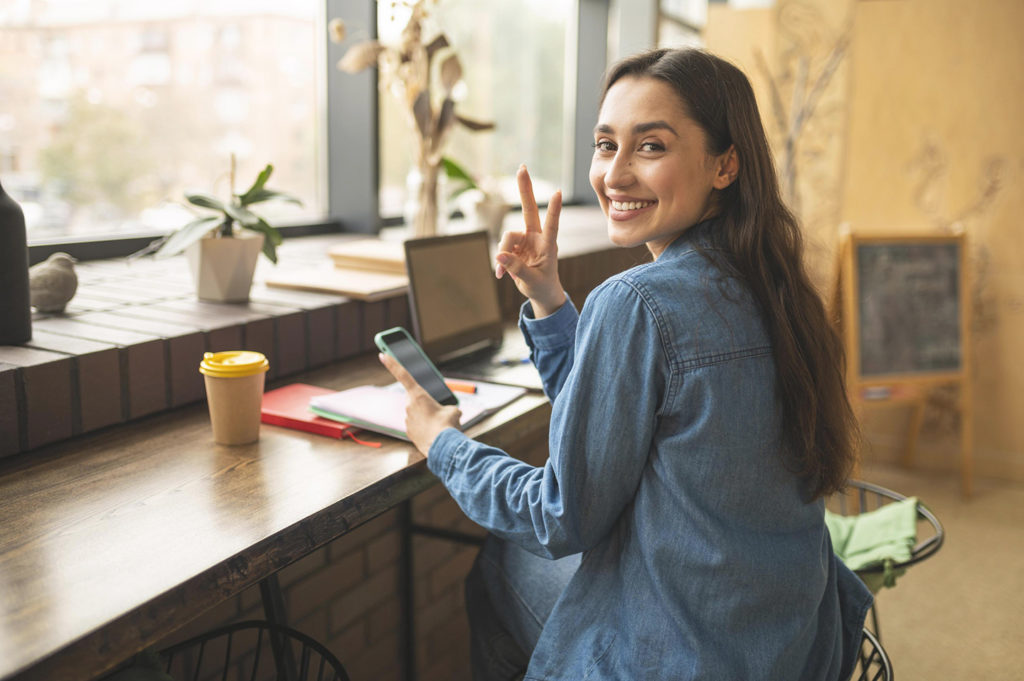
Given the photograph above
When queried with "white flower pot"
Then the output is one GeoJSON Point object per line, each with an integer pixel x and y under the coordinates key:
{"type": "Point", "coordinates": [484, 211]}
{"type": "Point", "coordinates": [223, 267]}
{"type": "Point", "coordinates": [489, 214]}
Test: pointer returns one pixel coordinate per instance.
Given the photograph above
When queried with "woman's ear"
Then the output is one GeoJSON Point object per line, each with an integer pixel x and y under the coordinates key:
{"type": "Point", "coordinates": [727, 168]}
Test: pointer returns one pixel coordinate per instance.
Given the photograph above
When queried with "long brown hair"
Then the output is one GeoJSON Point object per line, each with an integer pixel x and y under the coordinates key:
{"type": "Point", "coordinates": [763, 247]}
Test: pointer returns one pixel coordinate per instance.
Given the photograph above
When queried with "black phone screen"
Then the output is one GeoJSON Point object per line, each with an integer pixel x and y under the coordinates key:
{"type": "Point", "coordinates": [409, 356]}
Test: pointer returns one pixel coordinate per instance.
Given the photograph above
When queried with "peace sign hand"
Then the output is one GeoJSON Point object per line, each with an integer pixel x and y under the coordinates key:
{"type": "Point", "coordinates": [531, 257]}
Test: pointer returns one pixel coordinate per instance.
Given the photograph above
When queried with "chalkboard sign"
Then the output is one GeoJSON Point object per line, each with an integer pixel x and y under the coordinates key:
{"type": "Point", "coordinates": [909, 298]}
{"type": "Point", "coordinates": [902, 307]}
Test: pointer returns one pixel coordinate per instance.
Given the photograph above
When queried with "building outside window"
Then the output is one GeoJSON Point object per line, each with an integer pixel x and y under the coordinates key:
{"type": "Point", "coordinates": [111, 109]}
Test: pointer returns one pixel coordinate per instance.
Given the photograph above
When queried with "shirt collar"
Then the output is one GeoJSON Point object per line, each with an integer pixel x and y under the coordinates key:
{"type": "Point", "coordinates": [697, 236]}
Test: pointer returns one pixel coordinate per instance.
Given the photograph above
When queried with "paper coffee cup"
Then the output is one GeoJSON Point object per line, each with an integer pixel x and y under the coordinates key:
{"type": "Point", "coordinates": [234, 393]}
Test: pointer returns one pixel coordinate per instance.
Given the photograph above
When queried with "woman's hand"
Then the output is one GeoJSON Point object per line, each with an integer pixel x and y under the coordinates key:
{"type": "Point", "coordinates": [424, 417]}
{"type": "Point", "coordinates": [531, 257]}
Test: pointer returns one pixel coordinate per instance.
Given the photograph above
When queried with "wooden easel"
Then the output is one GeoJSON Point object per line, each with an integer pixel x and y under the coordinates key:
{"type": "Point", "coordinates": [903, 309]}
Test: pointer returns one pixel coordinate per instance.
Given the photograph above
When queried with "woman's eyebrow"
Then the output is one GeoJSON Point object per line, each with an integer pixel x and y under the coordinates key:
{"type": "Point", "coordinates": [639, 128]}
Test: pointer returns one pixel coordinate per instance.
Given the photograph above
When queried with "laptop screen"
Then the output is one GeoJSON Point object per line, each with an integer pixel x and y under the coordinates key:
{"type": "Point", "coordinates": [453, 295]}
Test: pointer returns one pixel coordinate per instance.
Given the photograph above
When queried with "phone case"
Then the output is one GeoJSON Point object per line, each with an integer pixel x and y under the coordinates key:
{"type": "Point", "coordinates": [378, 340]}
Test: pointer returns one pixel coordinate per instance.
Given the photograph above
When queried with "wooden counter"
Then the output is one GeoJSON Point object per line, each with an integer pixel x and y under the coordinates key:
{"type": "Point", "coordinates": [112, 540]}
{"type": "Point", "coordinates": [121, 520]}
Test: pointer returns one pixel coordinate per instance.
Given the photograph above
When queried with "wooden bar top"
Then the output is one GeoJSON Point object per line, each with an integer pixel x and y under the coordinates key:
{"type": "Point", "coordinates": [112, 540]}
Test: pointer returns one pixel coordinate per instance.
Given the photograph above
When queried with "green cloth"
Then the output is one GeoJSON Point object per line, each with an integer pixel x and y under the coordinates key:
{"type": "Point", "coordinates": [885, 537]}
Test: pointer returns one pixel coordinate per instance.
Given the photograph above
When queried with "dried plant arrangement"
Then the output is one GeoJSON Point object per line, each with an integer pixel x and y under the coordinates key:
{"type": "Point", "coordinates": [407, 71]}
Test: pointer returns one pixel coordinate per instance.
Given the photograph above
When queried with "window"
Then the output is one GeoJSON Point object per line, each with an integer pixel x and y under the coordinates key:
{"type": "Point", "coordinates": [681, 22]}
{"type": "Point", "coordinates": [516, 78]}
{"type": "Point", "coordinates": [111, 109]}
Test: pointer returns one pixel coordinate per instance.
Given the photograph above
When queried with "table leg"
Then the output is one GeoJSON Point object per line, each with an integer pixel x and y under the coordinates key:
{"type": "Point", "coordinates": [273, 608]}
{"type": "Point", "coordinates": [408, 636]}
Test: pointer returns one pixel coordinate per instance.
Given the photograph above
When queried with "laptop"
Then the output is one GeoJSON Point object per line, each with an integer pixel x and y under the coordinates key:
{"type": "Point", "coordinates": [456, 313]}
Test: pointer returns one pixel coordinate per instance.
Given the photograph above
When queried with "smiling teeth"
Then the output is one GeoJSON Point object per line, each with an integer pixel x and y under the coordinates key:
{"type": "Point", "coordinates": [630, 205]}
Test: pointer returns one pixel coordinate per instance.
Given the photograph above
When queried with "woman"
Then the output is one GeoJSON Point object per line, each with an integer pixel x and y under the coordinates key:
{"type": "Point", "coordinates": [699, 418]}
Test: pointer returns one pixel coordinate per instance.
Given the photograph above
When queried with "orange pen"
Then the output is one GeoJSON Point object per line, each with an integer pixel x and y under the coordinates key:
{"type": "Point", "coordinates": [460, 386]}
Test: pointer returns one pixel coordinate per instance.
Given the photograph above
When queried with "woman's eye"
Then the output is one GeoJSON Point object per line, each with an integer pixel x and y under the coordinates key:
{"type": "Point", "coordinates": [651, 146]}
{"type": "Point", "coordinates": [604, 145]}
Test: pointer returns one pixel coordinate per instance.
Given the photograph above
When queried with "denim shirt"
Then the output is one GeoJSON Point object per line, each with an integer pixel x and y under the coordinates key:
{"type": "Point", "coordinates": [701, 559]}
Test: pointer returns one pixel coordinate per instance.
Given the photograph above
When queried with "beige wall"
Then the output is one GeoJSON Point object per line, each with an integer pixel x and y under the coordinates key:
{"type": "Point", "coordinates": [920, 131]}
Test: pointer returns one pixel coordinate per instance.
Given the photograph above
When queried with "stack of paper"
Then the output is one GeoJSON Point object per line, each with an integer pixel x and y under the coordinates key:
{"type": "Point", "coordinates": [365, 269]}
{"type": "Point", "coordinates": [358, 284]}
{"type": "Point", "coordinates": [382, 408]}
{"type": "Point", "coordinates": [375, 255]}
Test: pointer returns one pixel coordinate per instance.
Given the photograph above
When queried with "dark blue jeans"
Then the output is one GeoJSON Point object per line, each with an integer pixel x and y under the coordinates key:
{"type": "Point", "coordinates": [509, 594]}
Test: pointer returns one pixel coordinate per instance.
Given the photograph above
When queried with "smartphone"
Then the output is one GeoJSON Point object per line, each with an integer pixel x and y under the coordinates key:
{"type": "Point", "coordinates": [399, 344]}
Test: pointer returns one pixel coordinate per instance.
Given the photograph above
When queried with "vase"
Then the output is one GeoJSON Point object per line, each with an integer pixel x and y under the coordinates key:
{"type": "Point", "coordinates": [15, 310]}
{"type": "Point", "coordinates": [425, 211]}
{"type": "Point", "coordinates": [223, 267]}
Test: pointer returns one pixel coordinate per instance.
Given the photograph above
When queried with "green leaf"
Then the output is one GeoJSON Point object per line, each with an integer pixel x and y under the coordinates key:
{"type": "Point", "coordinates": [271, 238]}
{"type": "Point", "coordinates": [206, 201]}
{"type": "Point", "coordinates": [271, 231]}
{"type": "Point", "coordinates": [261, 181]}
{"type": "Point", "coordinates": [456, 172]}
{"type": "Point", "coordinates": [186, 236]}
{"type": "Point", "coordinates": [242, 215]}
{"type": "Point", "coordinates": [250, 198]}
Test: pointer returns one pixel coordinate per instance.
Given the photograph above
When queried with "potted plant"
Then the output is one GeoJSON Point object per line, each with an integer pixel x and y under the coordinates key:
{"type": "Point", "coordinates": [222, 248]}
{"type": "Point", "coordinates": [481, 202]}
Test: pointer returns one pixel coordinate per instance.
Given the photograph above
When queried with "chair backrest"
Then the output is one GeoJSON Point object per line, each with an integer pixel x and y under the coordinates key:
{"type": "Point", "coordinates": [872, 662]}
{"type": "Point", "coordinates": [863, 496]}
{"type": "Point", "coordinates": [252, 651]}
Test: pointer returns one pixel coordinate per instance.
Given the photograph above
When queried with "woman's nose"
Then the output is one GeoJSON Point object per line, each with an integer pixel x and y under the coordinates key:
{"type": "Point", "coordinates": [619, 172]}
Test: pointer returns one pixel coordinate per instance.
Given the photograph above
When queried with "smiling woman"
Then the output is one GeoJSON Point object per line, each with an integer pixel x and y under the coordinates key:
{"type": "Point", "coordinates": [679, 513]}
{"type": "Point", "coordinates": [118, 109]}
{"type": "Point", "coordinates": [652, 171]}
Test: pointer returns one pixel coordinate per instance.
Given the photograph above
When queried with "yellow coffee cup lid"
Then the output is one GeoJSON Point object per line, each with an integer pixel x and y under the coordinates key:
{"type": "Point", "coordinates": [233, 363]}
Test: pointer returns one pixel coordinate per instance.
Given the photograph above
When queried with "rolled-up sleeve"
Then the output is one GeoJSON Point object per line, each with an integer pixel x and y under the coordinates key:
{"type": "Point", "coordinates": [604, 419]}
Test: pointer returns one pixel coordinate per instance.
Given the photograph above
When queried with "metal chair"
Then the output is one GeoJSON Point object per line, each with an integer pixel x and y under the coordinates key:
{"type": "Point", "coordinates": [863, 496]}
{"type": "Point", "coordinates": [253, 651]}
{"type": "Point", "coordinates": [872, 662]}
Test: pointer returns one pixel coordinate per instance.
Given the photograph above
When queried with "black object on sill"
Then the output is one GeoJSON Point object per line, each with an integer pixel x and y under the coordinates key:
{"type": "Point", "coordinates": [15, 313]}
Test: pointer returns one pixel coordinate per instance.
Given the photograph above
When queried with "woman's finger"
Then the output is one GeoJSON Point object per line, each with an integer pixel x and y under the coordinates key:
{"type": "Point", "coordinates": [551, 218]}
{"type": "Point", "coordinates": [510, 244]}
{"type": "Point", "coordinates": [511, 264]}
{"type": "Point", "coordinates": [399, 372]}
{"type": "Point", "coordinates": [531, 216]}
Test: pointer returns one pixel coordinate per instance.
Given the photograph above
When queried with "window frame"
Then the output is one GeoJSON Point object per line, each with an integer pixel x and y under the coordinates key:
{"type": "Point", "coordinates": [351, 108]}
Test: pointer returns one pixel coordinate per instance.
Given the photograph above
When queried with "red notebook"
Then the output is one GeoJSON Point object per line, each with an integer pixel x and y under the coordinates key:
{"type": "Point", "coordinates": [288, 406]}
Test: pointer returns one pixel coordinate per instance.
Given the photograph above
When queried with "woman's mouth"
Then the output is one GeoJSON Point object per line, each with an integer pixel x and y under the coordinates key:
{"type": "Point", "coordinates": [630, 205]}
{"type": "Point", "coordinates": [627, 209]}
